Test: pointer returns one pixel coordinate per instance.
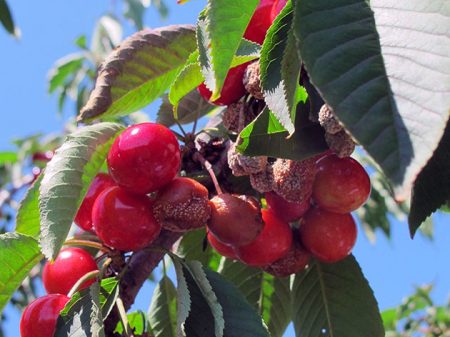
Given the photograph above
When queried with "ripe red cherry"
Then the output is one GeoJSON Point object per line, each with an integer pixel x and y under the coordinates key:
{"type": "Point", "coordinates": [341, 185]}
{"type": "Point", "coordinates": [260, 22]}
{"type": "Point", "coordinates": [286, 210]}
{"type": "Point", "coordinates": [144, 158]}
{"type": "Point", "coordinates": [70, 265]}
{"type": "Point", "coordinates": [273, 243]}
{"type": "Point", "coordinates": [221, 248]}
{"type": "Point", "coordinates": [84, 215]}
{"type": "Point", "coordinates": [233, 87]}
{"type": "Point", "coordinates": [235, 220]}
{"type": "Point", "coordinates": [123, 220]}
{"type": "Point", "coordinates": [328, 236]}
{"type": "Point", "coordinates": [39, 317]}
{"type": "Point", "coordinates": [277, 7]}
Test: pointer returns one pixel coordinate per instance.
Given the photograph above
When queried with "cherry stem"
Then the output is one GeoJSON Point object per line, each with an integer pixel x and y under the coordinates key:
{"type": "Point", "coordinates": [194, 127]}
{"type": "Point", "coordinates": [105, 265]}
{"type": "Point", "coordinates": [208, 167]}
{"type": "Point", "coordinates": [86, 243]}
{"type": "Point", "coordinates": [123, 317]}
{"type": "Point", "coordinates": [84, 278]}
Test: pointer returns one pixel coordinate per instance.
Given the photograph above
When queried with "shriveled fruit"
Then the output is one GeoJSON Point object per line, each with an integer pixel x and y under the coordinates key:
{"type": "Point", "coordinates": [84, 215]}
{"type": "Point", "coordinates": [286, 210]}
{"type": "Point", "coordinates": [144, 158]}
{"type": "Point", "coordinates": [182, 205]}
{"type": "Point", "coordinates": [221, 248]}
{"type": "Point", "coordinates": [70, 265]}
{"type": "Point", "coordinates": [341, 185]}
{"type": "Point", "coordinates": [271, 244]}
{"type": "Point", "coordinates": [39, 317]}
{"type": "Point", "coordinates": [293, 262]}
{"type": "Point", "coordinates": [232, 90]}
{"type": "Point", "coordinates": [328, 236]}
{"type": "Point", "coordinates": [235, 220]}
{"type": "Point", "coordinates": [123, 220]}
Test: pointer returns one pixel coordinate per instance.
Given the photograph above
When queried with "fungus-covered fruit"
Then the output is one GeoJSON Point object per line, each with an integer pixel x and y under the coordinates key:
{"type": "Point", "coordinates": [293, 262]}
{"type": "Point", "coordinates": [124, 221]}
{"type": "Point", "coordinates": [144, 158]}
{"type": "Point", "coordinates": [84, 215]}
{"type": "Point", "coordinates": [272, 243]}
{"type": "Point", "coordinates": [182, 205]}
{"type": "Point", "coordinates": [39, 317]}
{"type": "Point", "coordinates": [341, 185]}
{"type": "Point", "coordinates": [69, 266]}
{"type": "Point", "coordinates": [235, 220]}
{"type": "Point", "coordinates": [328, 236]}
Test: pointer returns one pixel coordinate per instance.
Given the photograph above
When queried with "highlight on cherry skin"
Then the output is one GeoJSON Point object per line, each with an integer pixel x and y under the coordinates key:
{"type": "Point", "coordinates": [123, 220]}
{"type": "Point", "coordinates": [328, 236]}
{"type": "Point", "coordinates": [144, 158]}
{"type": "Point", "coordinates": [70, 265]}
{"type": "Point", "coordinates": [40, 316]}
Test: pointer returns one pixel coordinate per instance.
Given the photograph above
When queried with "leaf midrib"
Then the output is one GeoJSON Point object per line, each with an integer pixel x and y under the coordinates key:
{"type": "Point", "coordinates": [324, 297]}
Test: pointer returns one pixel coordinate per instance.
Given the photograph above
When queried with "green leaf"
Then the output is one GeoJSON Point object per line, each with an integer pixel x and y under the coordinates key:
{"type": "Point", "coordinates": [139, 71]}
{"type": "Point", "coordinates": [7, 157]}
{"type": "Point", "coordinates": [163, 311]}
{"type": "Point", "coordinates": [28, 219]}
{"type": "Point", "coordinates": [191, 247]}
{"type": "Point", "coordinates": [265, 136]}
{"type": "Point", "coordinates": [432, 187]}
{"type": "Point", "coordinates": [109, 291]}
{"type": "Point", "coordinates": [6, 18]}
{"type": "Point", "coordinates": [247, 51]}
{"type": "Point", "coordinates": [335, 300]}
{"type": "Point", "coordinates": [64, 68]}
{"type": "Point", "coordinates": [134, 11]}
{"type": "Point", "coordinates": [82, 316]}
{"type": "Point", "coordinates": [106, 36]}
{"type": "Point", "coordinates": [137, 321]}
{"type": "Point", "coordinates": [18, 254]}
{"type": "Point", "coordinates": [279, 64]}
{"type": "Point", "coordinates": [67, 178]}
{"type": "Point", "coordinates": [226, 21]}
{"type": "Point", "coordinates": [191, 107]}
{"type": "Point", "coordinates": [384, 75]}
{"type": "Point", "coordinates": [270, 296]}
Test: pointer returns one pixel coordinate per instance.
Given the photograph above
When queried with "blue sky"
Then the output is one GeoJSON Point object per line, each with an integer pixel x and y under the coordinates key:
{"type": "Point", "coordinates": [49, 28]}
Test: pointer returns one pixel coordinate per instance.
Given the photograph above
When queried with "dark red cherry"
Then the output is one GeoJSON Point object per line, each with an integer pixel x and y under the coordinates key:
{"type": "Point", "coordinates": [271, 244]}
{"type": "Point", "coordinates": [144, 158]}
{"type": "Point", "coordinates": [123, 220]}
{"type": "Point", "coordinates": [39, 317]}
{"type": "Point", "coordinates": [286, 210]}
{"type": "Point", "coordinates": [233, 87]}
{"type": "Point", "coordinates": [328, 236]}
{"type": "Point", "coordinates": [84, 215]}
{"type": "Point", "coordinates": [221, 248]}
{"type": "Point", "coordinates": [260, 22]}
{"type": "Point", "coordinates": [70, 265]}
{"type": "Point", "coordinates": [42, 156]}
{"type": "Point", "coordinates": [341, 184]}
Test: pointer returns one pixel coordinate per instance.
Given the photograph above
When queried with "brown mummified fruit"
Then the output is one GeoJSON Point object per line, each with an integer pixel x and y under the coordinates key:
{"type": "Point", "coordinates": [235, 219]}
{"type": "Point", "coordinates": [182, 205]}
{"type": "Point", "coordinates": [242, 165]}
{"type": "Point", "coordinates": [293, 262]}
{"type": "Point", "coordinates": [237, 116]}
{"type": "Point", "coordinates": [252, 80]}
{"type": "Point", "coordinates": [293, 180]}
{"type": "Point", "coordinates": [263, 181]}
{"type": "Point", "coordinates": [328, 120]}
{"type": "Point", "coordinates": [340, 143]}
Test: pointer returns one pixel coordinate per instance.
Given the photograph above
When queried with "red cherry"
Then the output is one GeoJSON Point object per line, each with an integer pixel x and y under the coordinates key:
{"type": "Point", "coordinates": [221, 248]}
{"type": "Point", "coordinates": [235, 220]}
{"type": "Point", "coordinates": [341, 185]}
{"type": "Point", "coordinates": [233, 87]}
{"type": "Point", "coordinates": [260, 22]}
{"type": "Point", "coordinates": [70, 265]}
{"type": "Point", "coordinates": [277, 8]}
{"type": "Point", "coordinates": [42, 156]}
{"type": "Point", "coordinates": [144, 158]}
{"type": "Point", "coordinates": [286, 210]}
{"type": "Point", "coordinates": [328, 236]}
{"type": "Point", "coordinates": [39, 317]}
{"type": "Point", "coordinates": [273, 243]}
{"type": "Point", "coordinates": [123, 220]}
{"type": "Point", "coordinates": [84, 215]}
